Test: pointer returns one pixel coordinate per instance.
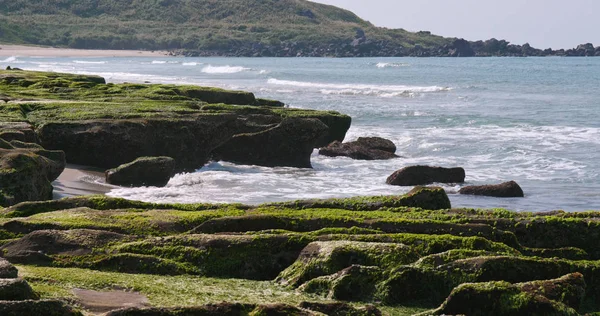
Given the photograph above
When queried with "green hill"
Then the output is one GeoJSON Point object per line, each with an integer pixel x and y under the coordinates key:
{"type": "Point", "coordinates": [259, 27]}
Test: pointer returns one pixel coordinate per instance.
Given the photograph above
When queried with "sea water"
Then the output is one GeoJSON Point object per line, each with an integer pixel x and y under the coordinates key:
{"type": "Point", "coordinates": [532, 120]}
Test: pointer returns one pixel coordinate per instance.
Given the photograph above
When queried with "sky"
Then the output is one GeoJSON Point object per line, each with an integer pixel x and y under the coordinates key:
{"type": "Point", "coordinates": [541, 23]}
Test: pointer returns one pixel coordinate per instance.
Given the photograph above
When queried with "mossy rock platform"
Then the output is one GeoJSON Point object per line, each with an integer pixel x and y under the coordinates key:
{"type": "Point", "coordinates": [357, 256]}
{"type": "Point", "coordinates": [106, 125]}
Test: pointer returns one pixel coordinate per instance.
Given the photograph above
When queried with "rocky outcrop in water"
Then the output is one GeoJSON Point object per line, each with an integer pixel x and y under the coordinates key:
{"type": "Point", "coordinates": [191, 124]}
{"type": "Point", "coordinates": [289, 143]}
{"type": "Point", "coordinates": [422, 175]}
{"type": "Point", "coordinates": [144, 171]}
{"type": "Point", "coordinates": [364, 148]}
{"type": "Point", "coordinates": [506, 190]}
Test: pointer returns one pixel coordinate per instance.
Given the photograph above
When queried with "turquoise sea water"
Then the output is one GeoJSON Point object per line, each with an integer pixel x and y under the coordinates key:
{"type": "Point", "coordinates": [532, 120]}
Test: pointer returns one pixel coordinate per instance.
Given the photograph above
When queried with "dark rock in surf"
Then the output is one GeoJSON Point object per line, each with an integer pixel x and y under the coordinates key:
{"type": "Point", "coordinates": [290, 144]}
{"type": "Point", "coordinates": [365, 148]}
{"type": "Point", "coordinates": [423, 175]}
{"type": "Point", "coordinates": [506, 189]}
{"type": "Point", "coordinates": [144, 171]}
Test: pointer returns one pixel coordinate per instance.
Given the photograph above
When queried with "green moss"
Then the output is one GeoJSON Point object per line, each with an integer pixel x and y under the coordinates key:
{"type": "Point", "coordinates": [128, 221]}
{"type": "Point", "coordinates": [163, 291]}
{"type": "Point", "coordinates": [498, 298]}
{"type": "Point", "coordinates": [328, 257]}
{"type": "Point", "coordinates": [99, 202]}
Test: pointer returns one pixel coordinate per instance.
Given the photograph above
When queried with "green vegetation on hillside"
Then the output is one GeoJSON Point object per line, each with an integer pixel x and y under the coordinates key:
{"type": "Point", "coordinates": [189, 24]}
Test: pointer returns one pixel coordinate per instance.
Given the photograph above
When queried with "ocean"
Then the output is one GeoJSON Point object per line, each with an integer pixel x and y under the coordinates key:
{"type": "Point", "coordinates": [532, 120]}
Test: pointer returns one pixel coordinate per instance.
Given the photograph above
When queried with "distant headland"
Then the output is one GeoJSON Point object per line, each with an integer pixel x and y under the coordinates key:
{"type": "Point", "coordinates": [269, 28]}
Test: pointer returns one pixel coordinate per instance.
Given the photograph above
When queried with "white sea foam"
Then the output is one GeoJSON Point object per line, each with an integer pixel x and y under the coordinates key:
{"type": "Point", "coordinates": [360, 89]}
{"type": "Point", "coordinates": [9, 60]}
{"type": "Point", "coordinates": [391, 65]}
{"type": "Point", "coordinates": [210, 69]}
{"type": "Point", "coordinates": [191, 64]}
{"type": "Point", "coordinates": [89, 62]}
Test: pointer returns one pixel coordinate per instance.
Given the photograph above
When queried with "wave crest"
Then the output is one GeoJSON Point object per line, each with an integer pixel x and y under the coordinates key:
{"type": "Point", "coordinates": [9, 60]}
{"type": "Point", "coordinates": [210, 69]}
{"type": "Point", "coordinates": [361, 89]}
{"type": "Point", "coordinates": [391, 65]}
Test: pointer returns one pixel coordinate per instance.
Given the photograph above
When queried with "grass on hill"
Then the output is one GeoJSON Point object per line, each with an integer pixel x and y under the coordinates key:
{"type": "Point", "coordinates": [188, 24]}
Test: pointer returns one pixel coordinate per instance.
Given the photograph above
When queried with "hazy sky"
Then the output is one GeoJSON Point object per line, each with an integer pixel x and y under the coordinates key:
{"type": "Point", "coordinates": [541, 23]}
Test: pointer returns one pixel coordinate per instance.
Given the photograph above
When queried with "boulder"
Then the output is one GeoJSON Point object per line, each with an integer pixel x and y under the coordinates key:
{"type": "Point", "coordinates": [15, 290]}
{"type": "Point", "coordinates": [42, 308]}
{"type": "Point", "coordinates": [26, 174]}
{"type": "Point", "coordinates": [323, 258]}
{"type": "Point", "coordinates": [498, 298]}
{"type": "Point", "coordinates": [288, 144]}
{"type": "Point", "coordinates": [423, 175]}
{"type": "Point", "coordinates": [505, 190]}
{"type": "Point", "coordinates": [7, 270]}
{"type": "Point", "coordinates": [355, 283]}
{"type": "Point", "coordinates": [365, 148]}
{"type": "Point", "coordinates": [17, 131]}
{"type": "Point", "coordinates": [144, 171]}
{"type": "Point", "coordinates": [569, 289]}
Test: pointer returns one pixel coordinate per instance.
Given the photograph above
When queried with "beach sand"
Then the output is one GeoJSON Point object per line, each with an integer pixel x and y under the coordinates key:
{"type": "Point", "coordinates": [36, 51]}
{"type": "Point", "coordinates": [79, 180]}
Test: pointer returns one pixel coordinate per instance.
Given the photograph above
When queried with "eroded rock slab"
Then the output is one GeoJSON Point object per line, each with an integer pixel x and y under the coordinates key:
{"type": "Point", "coordinates": [364, 148]}
{"type": "Point", "coordinates": [423, 175]}
{"type": "Point", "coordinates": [144, 171]}
{"type": "Point", "coordinates": [503, 190]}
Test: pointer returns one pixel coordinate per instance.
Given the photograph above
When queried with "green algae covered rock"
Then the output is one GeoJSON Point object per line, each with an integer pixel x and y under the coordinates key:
{"type": "Point", "coordinates": [503, 298]}
{"type": "Point", "coordinates": [60, 242]}
{"type": "Point", "coordinates": [355, 283]}
{"type": "Point", "coordinates": [569, 289]}
{"type": "Point", "coordinates": [328, 257]}
{"type": "Point", "coordinates": [340, 309]}
{"type": "Point", "coordinates": [427, 198]}
{"type": "Point", "coordinates": [144, 171]}
{"type": "Point", "coordinates": [16, 290]}
{"type": "Point", "coordinates": [25, 174]}
{"type": "Point", "coordinates": [106, 125]}
{"type": "Point", "coordinates": [7, 270]}
{"type": "Point", "coordinates": [260, 257]}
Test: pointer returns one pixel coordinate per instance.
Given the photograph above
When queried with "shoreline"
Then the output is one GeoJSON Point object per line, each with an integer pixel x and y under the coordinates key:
{"type": "Point", "coordinates": [71, 182]}
{"type": "Point", "coordinates": [38, 51]}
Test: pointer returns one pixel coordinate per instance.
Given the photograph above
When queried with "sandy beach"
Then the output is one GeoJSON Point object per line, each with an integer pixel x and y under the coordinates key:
{"type": "Point", "coordinates": [36, 51]}
{"type": "Point", "coordinates": [79, 180]}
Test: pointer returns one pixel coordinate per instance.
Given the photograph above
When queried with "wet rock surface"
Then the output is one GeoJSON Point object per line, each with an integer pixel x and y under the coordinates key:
{"type": "Point", "coordinates": [364, 148]}
{"type": "Point", "coordinates": [503, 190]}
{"type": "Point", "coordinates": [423, 175]}
{"type": "Point", "coordinates": [144, 171]}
